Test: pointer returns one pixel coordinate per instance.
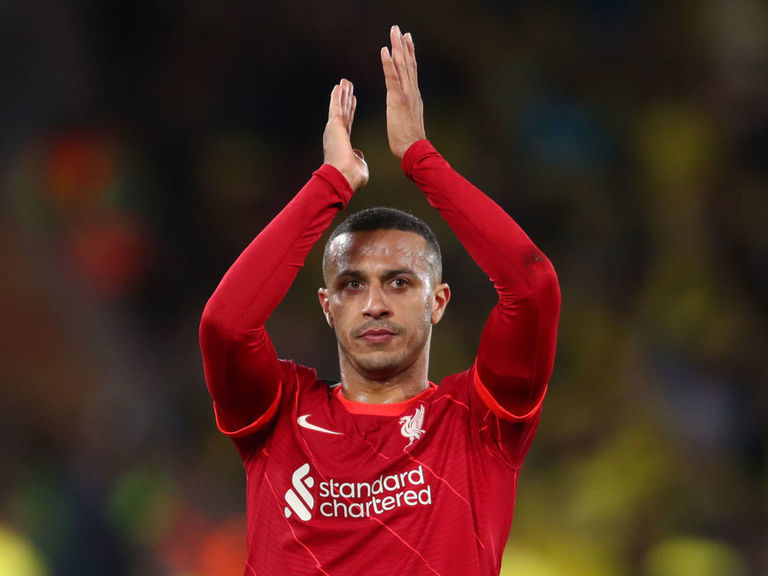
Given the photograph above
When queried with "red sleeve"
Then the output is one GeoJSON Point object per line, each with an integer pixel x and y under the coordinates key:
{"type": "Point", "coordinates": [239, 360]}
{"type": "Point", "coordinates": [517, 347]}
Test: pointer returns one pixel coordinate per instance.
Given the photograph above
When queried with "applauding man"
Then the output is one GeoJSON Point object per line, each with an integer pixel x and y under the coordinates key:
{"type": "Point", "coordinates": [383, 472]}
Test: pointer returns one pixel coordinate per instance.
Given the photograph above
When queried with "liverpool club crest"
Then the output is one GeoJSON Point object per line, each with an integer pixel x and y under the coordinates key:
{"type": "Point", "coordinates": [412, 425]}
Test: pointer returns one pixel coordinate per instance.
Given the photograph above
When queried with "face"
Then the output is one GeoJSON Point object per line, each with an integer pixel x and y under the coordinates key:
{"type": "Point", "coordinates": [381, 299]}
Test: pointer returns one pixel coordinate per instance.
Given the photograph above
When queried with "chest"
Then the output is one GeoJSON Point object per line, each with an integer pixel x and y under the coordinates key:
{"type": "Point", "coordinates": [327, 463]}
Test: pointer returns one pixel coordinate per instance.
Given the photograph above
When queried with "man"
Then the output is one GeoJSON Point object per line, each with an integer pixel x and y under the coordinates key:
{"type": "Point", "coordinates": [385, 472]}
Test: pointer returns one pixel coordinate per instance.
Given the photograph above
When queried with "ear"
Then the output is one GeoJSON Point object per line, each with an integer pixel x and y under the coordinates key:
{"type": "Point", "coordinates": [325, 304]}
{"type": "Point", "coordinates": [441, 297]}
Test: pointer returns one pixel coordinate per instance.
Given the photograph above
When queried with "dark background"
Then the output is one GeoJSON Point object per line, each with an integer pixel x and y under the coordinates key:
{"type": "Point", "coordinates": [143, 144]}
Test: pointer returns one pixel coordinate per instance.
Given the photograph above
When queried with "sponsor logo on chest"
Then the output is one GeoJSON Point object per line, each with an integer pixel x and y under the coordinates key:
{"type": "Point", "coordinates": [334, 499]}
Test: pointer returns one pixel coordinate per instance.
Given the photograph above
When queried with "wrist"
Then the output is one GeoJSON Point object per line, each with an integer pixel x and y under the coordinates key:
{"type": "Point", "coordinates": [353, 175]}
{"type": "Point", "coordinates": [404, 143]}
{"type": "Point", "coordinates": [336, 180]}
{"type": "Point", "coordinates": [407, 146]}
{"type": "Point", "coordinates": [417, 151]}
{"type": "Point", "coordinates": [352, 179]}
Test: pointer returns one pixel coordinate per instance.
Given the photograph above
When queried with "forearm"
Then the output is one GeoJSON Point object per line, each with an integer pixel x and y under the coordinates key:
{"type": "Point", "coordinates": [258, 280]}
{"type": "Point", "coordinates": [494, 240]}
{"type": "Point", "coordinates": [517, 348]}
{"type": "Point", "coordinates": [236, 350]}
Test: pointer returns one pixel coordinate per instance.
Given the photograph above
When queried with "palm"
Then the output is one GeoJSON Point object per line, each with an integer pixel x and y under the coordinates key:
{"type": "Point", "coordinates": [337, 146]}
{"type": "Point", "coordinates": [405, 109]}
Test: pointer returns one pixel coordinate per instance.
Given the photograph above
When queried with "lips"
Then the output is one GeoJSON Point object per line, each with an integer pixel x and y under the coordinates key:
{"type": "Point", "coordinates": [376, 334]}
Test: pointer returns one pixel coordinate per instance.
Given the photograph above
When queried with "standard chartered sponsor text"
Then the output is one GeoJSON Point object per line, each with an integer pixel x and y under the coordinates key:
{"type": "Point", "coordinates": [386, 493]}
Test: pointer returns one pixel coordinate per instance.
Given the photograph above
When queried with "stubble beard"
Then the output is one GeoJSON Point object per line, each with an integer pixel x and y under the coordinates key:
{"type": "Point", "coordinates": [386, 363]}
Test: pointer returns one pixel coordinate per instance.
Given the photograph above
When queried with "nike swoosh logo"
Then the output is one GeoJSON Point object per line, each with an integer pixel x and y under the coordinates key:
{"type": "Point", "coordinates": [302, 420]}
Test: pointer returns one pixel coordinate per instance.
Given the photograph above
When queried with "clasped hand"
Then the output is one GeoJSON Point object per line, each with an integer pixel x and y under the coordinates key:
{"type": "Point", "coordinates": [405, 111]}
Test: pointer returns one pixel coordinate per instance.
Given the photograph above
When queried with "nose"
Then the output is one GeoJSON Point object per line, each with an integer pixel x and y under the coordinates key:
{"type": "Point", "coordinates": [376, 306]}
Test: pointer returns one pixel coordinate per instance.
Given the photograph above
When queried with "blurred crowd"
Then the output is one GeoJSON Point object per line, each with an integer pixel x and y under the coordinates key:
{"type": "Point", "coordinates": [144, 144]}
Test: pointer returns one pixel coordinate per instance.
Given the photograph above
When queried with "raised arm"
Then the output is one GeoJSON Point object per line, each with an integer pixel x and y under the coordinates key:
{"type": "Point", "coordinates": [517, 347]}
{"type": "Point", "coordinates": [240, 364]}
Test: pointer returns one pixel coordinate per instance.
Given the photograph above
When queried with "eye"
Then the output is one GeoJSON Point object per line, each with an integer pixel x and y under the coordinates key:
{"type": "Point", "coordinates": [400, 282]}
{"type": "Point", "coordinates": [354, 284]}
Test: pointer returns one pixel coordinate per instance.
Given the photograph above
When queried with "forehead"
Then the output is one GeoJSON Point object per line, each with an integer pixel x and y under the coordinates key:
{"type": "Point", "coordinates": [356, 250]}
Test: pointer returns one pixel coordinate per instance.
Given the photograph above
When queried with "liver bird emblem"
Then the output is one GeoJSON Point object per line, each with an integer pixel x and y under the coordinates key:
{"type": "Point", "coordinates": [412, 425]}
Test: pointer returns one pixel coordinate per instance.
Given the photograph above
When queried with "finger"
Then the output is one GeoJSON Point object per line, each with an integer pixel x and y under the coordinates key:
{"type": "Point", "coordinates": [344, 102]}
{"type": "Point", "coordinates": [396, 38]}
{"type": "Point", "coordinates": [352, 113]}
{"type": "Point", "coordinates": [390, 73]}
{"type": "Point", "coordinates": [413, 68]}
{"type": "Point", "coordinates": [406, 64]}
{"type": "Point", "coordinates": [334, 107]}
{"type": "Point", "coordinates": [350, 104]}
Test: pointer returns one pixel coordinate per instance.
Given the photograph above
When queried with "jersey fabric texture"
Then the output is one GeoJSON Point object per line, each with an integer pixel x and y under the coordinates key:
{"type": "Point", "coordinates": [426, 486]}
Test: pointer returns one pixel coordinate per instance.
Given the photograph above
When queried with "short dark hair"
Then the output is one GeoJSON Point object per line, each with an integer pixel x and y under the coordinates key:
{"type": "Point", "coordinates": [385, 218]}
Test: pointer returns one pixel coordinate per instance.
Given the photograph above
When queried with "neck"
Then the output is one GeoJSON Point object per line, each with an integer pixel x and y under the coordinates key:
{"type": "Point", "coordinates": [386, 388]}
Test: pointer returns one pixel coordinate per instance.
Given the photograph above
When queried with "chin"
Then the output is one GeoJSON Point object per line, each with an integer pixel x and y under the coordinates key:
{"type": "Point", "coordinates": [378, 367]}
{"type": "Point", "coordinates": [383, 363]}
{"type": "Point", "coordinates": [383, 366]}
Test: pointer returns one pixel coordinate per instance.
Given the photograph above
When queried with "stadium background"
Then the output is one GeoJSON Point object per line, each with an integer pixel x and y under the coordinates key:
{"type": "Point", "coordinates": [143, 144]}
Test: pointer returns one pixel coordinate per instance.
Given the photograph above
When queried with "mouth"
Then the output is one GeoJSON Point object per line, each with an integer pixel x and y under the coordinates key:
{"type": "Point", "coordinates": [377, 335]}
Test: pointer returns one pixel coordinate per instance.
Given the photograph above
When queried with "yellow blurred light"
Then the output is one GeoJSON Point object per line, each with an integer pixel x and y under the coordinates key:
{"type": "Point", "coordinates": [690, 556]}
{"type": "Point", "coordinates": [18, 556]}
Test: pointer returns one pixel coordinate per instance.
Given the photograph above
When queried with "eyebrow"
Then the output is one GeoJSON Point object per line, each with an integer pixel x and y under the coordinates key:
{"type": "Point", "coordinates": [400, 272]}
{"type": "Point", "coordinates": [387, 274]}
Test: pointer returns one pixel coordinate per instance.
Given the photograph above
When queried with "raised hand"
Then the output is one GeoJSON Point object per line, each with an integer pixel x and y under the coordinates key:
{"type": "Point", "coordinates": [337, 146]}
{"type": "Point", "coordinates": [405, 109]}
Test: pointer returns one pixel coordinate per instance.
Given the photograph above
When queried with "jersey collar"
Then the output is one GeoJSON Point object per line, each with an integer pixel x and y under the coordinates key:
{"type": "Point", "coordinates": [394, 409]}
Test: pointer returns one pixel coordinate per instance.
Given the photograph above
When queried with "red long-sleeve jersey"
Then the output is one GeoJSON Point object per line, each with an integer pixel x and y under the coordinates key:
{"type": "Point", "coordinates": [425, 486]}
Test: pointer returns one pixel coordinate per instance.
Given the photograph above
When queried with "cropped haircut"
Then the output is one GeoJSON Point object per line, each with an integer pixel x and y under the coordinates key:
{"type": "Point", "coordinates": [385, 218]}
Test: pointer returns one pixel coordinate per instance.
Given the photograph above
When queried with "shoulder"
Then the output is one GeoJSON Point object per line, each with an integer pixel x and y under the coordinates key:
{"type": "Point", "coordinates": [300, 389]}
{"type": "Point", "coordinates": [507, 441]}
{"type": "Point", "coordinates": [293, 374]}
{"type": "Point", "coordinates": [301, 382]}
{"type": "Point", "coordinates": [454, 390]}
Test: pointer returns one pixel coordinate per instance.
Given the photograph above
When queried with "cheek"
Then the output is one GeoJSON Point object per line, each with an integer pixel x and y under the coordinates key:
{"type": "Point", "coordinates": [425, 305]}
{"type": "Point", "coordinates": [338, 312]}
